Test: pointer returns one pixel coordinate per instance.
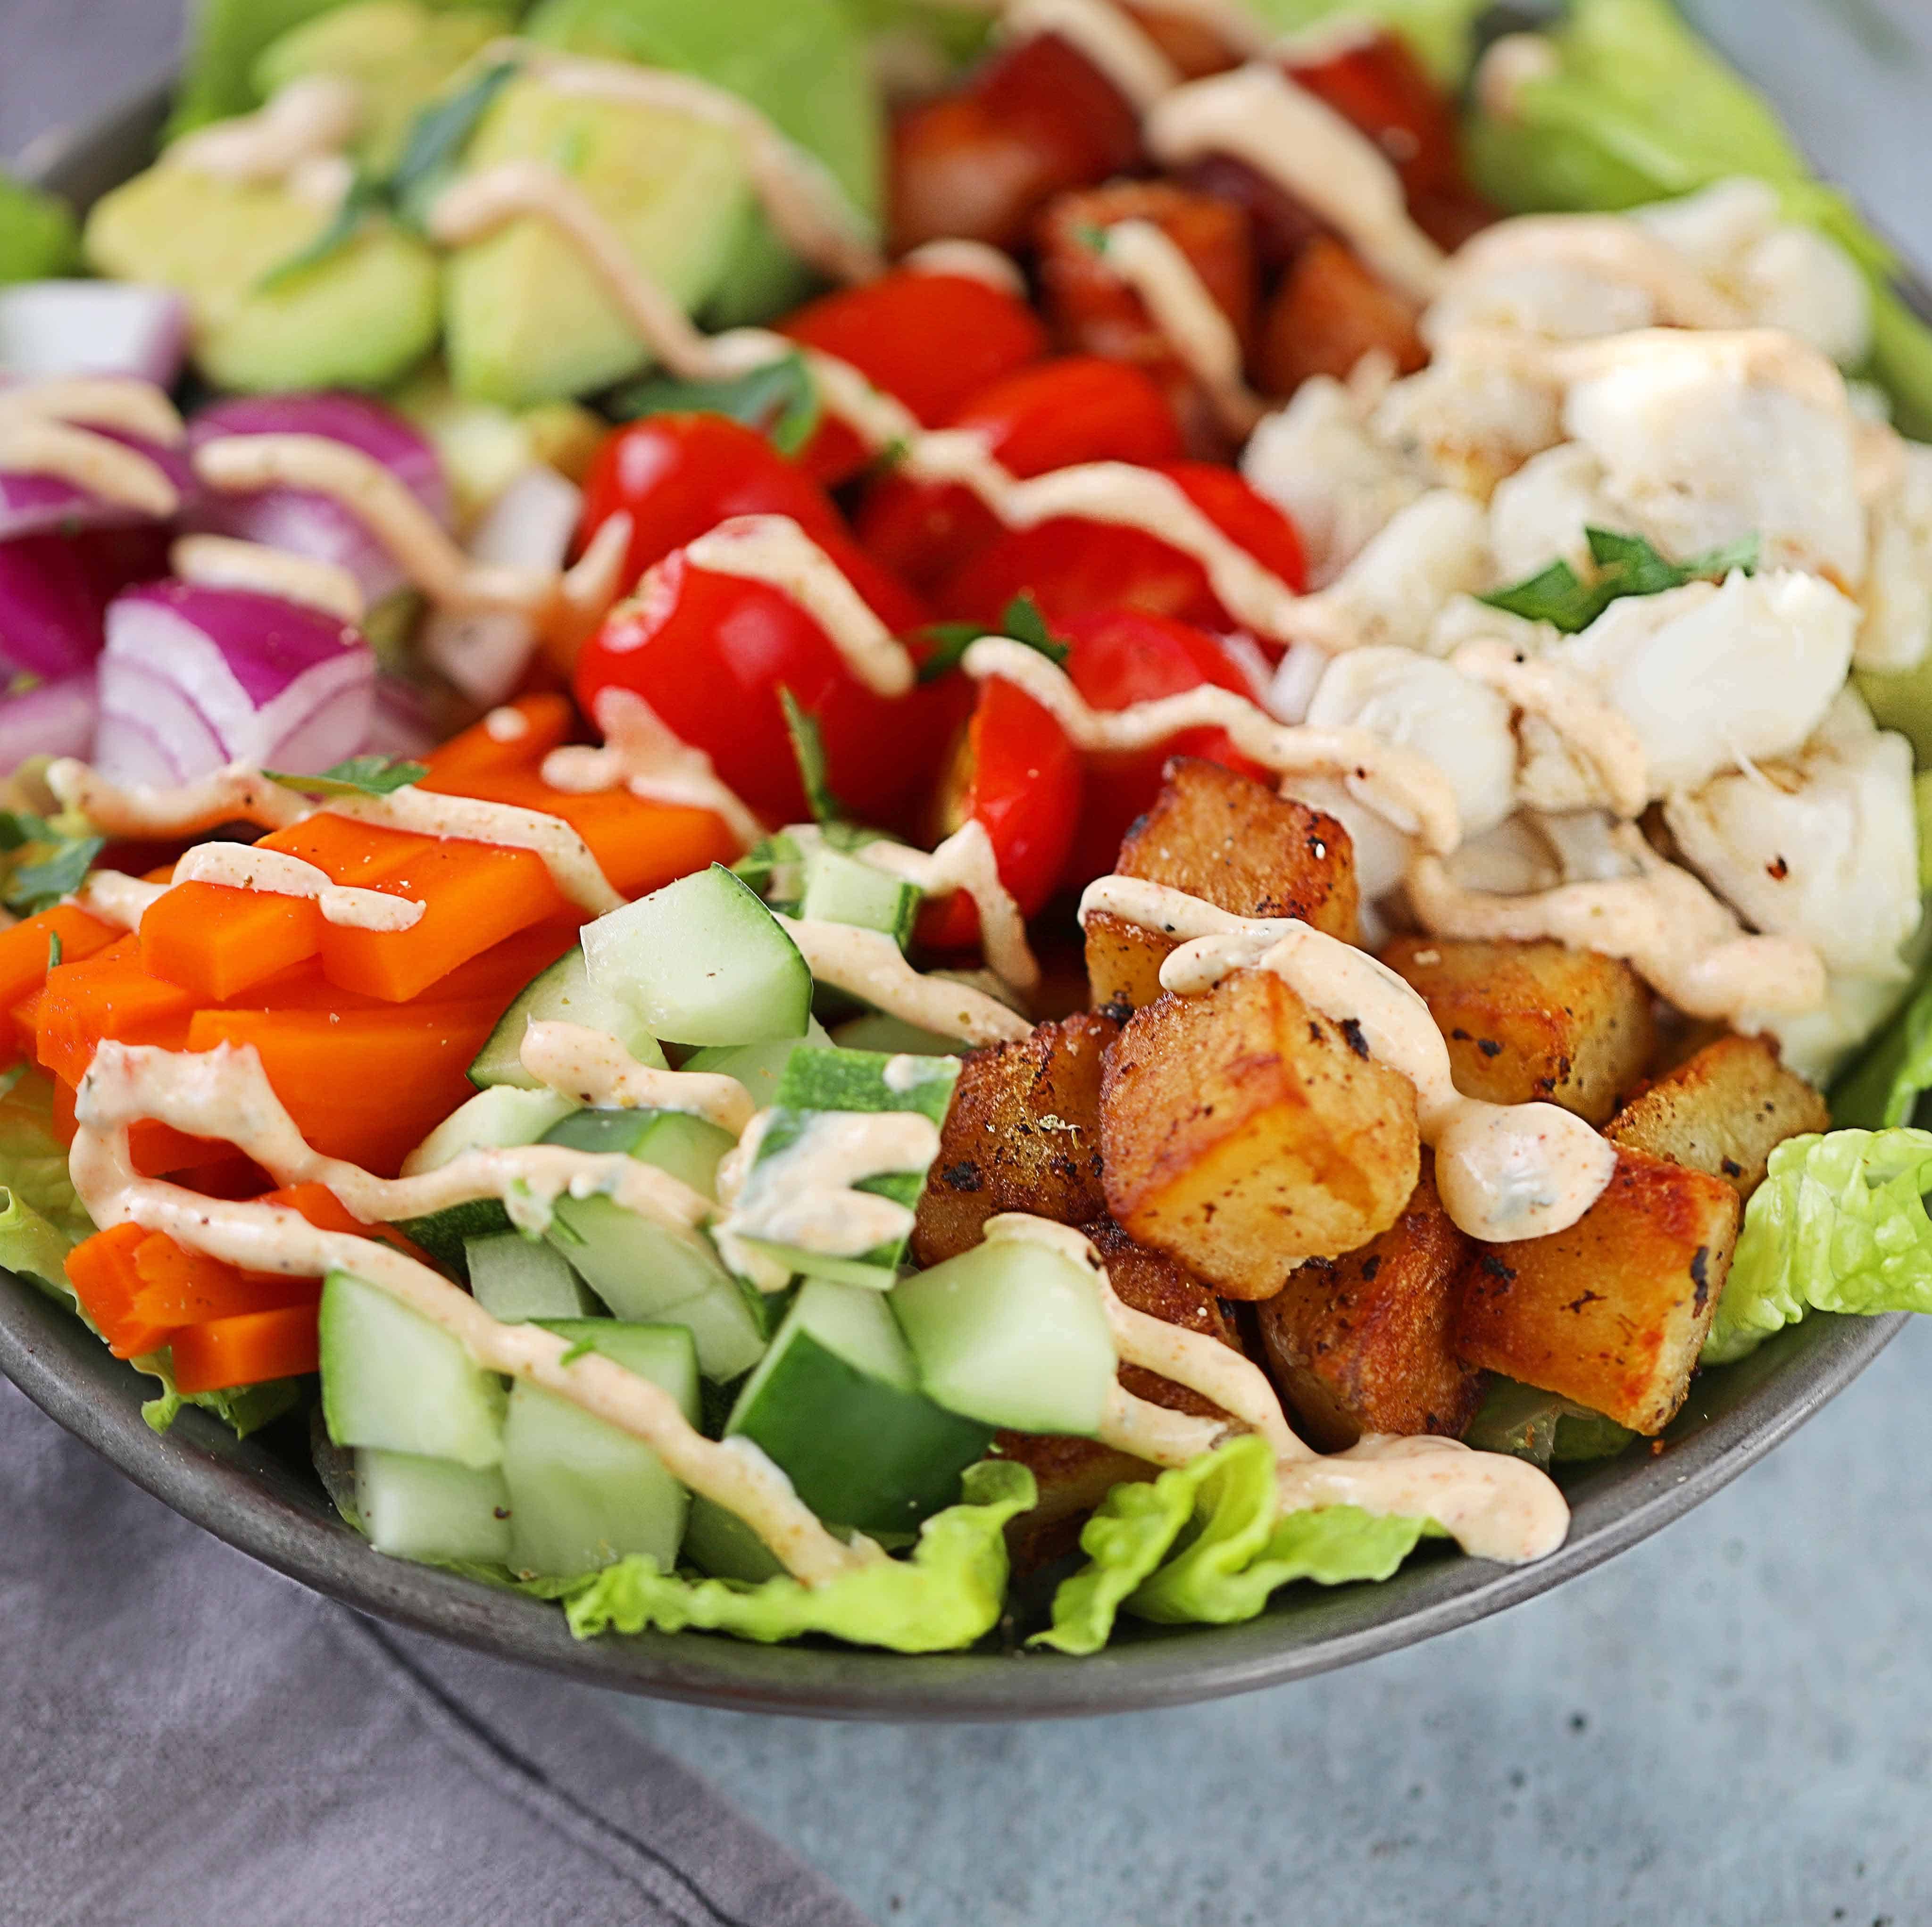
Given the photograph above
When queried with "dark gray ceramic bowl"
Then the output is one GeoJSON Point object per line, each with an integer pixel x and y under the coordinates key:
{"type": "Point", "coordinates": [260, 1495]}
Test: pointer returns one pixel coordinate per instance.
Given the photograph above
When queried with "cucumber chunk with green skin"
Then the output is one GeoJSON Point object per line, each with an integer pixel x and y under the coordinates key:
{"type": "Point", "coordinates": [1011, 1333]}
{"type": "Point", "coordinates": [583, 1492]}
{"type": "Point", "coordinates": [515, 1279]}
{"type": "Point", "coordinates": [430, 1508]}
{"type": "Point", "coordinates": [527, 318]}
{"type": "Point", "coordinates": [758, 1067]}
{"type": "Point", "coordinates": [842, 888]}
{"type": "Point", "coordinates": [360, 318]}
{"type": "Point", "coordinates": [443, 1235]}
{"type": "Point", "coordinates": [562, 993]}
{"type": "Point", "coordinates": [721, 1545]}
{"type": "Point", "coordinates": [499, 1118]}
{"type": "Point", "coordinates": [702, 961]}
{"type": "Point", "coordinates": [893, 1037]}
{"type": "Point", "coordinates": [817, 1083]}
{"type": "Point", "coordinates": [391, 1379]}
{"type": "Point", "coordinates": [835, 1404]}
{"type": "Point", "coordinates": [689, 1148]}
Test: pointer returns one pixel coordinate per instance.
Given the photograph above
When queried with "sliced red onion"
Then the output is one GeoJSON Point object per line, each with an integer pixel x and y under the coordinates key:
{"type": "Point", "coordinates": [50, 609]}
{"type": "Point", "coordinates": [49, 328]}
{"type": "Point", "coordinates": [194, 677]}
{"type": "Point", "coordinates": [401, 724]}
{"type": "Point", "coordinates": [32, 505]}
{"type": "Point", "coordinates": [56, 719]}
{"type": "Point", "coordinates": [313, 525]}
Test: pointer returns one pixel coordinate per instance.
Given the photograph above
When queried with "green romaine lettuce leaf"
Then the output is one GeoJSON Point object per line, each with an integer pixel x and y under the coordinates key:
{"type": "Point", "coordinates": [1234, 1553]}
{"type": "Point", "coordinates": [38, 236]}
{"type": "Point", "coordinates": [1442, 32]}
{"type": "Point", "coordinates": [948, 1593]}
{"type": "Point", "coordinates": [244, 1409]}
{"type": "Point", "coordinates": [1839, 1225]}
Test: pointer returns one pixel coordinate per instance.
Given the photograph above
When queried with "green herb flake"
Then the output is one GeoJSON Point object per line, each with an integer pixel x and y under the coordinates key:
{"type": "Point", "coordinates": [780, 399]}
{"type": "Point", "coordinates": [38, 885]}
{"type": "Point", "coordinates": [1625, 565]}
{"type": "Point", "coordinates": [807, 745]}
{"type": "Point", "coordinates": [582, 1349]}
{"type": "Point", "coordinates": [436, 139]}
{"type": "Point", "coordinates": [1022, 622]}
{"type": "Point", "coordinates": [359, 776]}
{"type": "Point", "coordinates": [366, 197]}
{"type": "Point", "coordinates": [54, 952]}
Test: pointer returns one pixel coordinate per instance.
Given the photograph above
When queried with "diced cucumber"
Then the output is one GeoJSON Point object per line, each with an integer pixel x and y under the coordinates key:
{"type": "Point", "coordinates": [703, 961]}
{"type": "Point", "coordinates": [720, 1544]}
{"type": "Point", "coordinates": [418, 1508]}
{"type": "Point", "coordinates": [445, 1235]}
{"type": "Point", "coordinates": [842, 888]}
{"type": "Point", "coordinates": [835, 1404]}
{"type": "Point", "coordinates": [687, 1147]}
{"type": "Point", "coordinates": [514, 1279]}
{"type": "Point", "coordinates": [758, 1067]}
{"type": "Point", "coordinates": [391, 1379]}
{"type": "Point", "coordinates": [893, 1036]}
{"type": "Point", "coordinates": [502, 1115]}
{"type": "Point", "coordinates": [1011, 1333]}
{"type": "Point", "coordinates": [563, 993]}
{"type": "Point", "coordinates": [816, 1083]}
{"type": "Point", "coordinates": [583, 1492]}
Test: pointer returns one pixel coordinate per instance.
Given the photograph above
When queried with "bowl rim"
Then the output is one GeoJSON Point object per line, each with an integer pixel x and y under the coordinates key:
{"type": "Point", "coordinates": [262, 1505]}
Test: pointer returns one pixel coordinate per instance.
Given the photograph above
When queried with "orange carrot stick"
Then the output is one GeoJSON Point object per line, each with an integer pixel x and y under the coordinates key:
{"type": "Point", "coordinates": [217, 943]}
{"type": "Point", "coordinates": [480, 750]}
{"type": "Point", "coordinates": [107, 995]}
{"type": "Point", "coordinates": [246, 1349]}
{"type": "Point", "coordinates": [25, 948]}
{"type": "Point", "coordinates": [178, 1287]}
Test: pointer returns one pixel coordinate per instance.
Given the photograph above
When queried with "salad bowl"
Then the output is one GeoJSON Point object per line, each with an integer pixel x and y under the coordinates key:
{"type": "Point", "coordinates": [261, 1496]}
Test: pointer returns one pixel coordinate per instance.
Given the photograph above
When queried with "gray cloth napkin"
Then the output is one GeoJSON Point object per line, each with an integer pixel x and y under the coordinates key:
{"type": "Point", "coordinates": [188, 1740]}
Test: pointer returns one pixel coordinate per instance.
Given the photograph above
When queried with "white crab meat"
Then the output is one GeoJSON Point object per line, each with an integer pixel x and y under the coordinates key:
{"type": "Point", "coordinates": [1391, 594]}
{"type": "Point", "coordinates": [1897, 596]}
{"type": "Point", "coordinates": [1537, 515]}
{"type": "Point", "coordinates": [1711, 676]}
{"type": "Point", "coordinates": [1470, 420]}
{"type": "Point", "coordinates": [1557, 300]}
{"type": "Point", "coordinates": [1818, 1043]}
{"type": "Point", "coordinates": [1315, 459]}
{"type": "Point", "coordinates": [1823, 846]}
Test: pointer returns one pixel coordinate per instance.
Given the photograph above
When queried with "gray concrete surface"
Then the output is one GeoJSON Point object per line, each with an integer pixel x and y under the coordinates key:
{"type": "Point", "coordinates": [1731, 1725]}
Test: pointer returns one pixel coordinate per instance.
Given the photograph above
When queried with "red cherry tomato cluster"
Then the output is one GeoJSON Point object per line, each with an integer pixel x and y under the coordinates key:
{"type": "Point", "coordinates": [1138, 617]}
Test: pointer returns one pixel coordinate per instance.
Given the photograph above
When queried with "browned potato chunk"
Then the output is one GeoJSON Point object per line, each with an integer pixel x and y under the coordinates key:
{"type": "Point", "coordinates": [1232, 842]}
{"type": "Point", "coordinates": [1531, 1021]}
{"type": "Point", "coordinates": [1023, 1133]}
{"type": "Point", "coordinates": [1244, 1133]}
{"type": "Point", "coordinates": [1723, 1111]}
{"type": "Point", "coordinates": [1613, 1312]}
{"type": "Point", "coordinates": [1361, 1344]}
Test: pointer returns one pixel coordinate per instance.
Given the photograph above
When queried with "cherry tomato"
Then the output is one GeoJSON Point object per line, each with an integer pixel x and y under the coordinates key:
{"type": "Point", "coordinates": [1014, 771]}
{"type": "Point", "coordinates": [1072, 567]}
{"type": "Point", "coordinates": [1116, 660]}
{"type": "Point", "coordinates": [1081, 408]}
{"type": "Point", "coordinates": [931, 341]}
{"type": "Point", "coordinates": [709, 653]}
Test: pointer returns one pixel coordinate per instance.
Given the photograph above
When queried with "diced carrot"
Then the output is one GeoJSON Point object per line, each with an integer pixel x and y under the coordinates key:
{"type": "Point", "coordinates": [159, 1150]}
{"type": "Point", "coordinates": [347, 852]}
{"type": "Point", "coordinates": [478, 750]}
{"type": "Point", "coordinates": [367, 1085]}
{"type": "Point", "coordinates": [475, 894]}
{"type": "Point", "coordinates": [25, 1017]}
{"type": "Point", "coordinates": [107, 995]}
{"type": "Point", "coordinates": [246, 1349]}
{"type": "Point", "coordinates": [503, 970]}
{"type": "Point", "coordinates": [327, 1212]}
{"type": "Point", "coordinates": [25, 948]}
{"type": "Point", "coordinates": [61, 1122]}
{"type": "Point", "coordinates": [101, 1270]}
{"type": "Point", "coordinates": [217, 943]}
{"type": "Point", "coordinates": [234, 1177]}
{"type": "Point", "coordinates": [178, 1287]}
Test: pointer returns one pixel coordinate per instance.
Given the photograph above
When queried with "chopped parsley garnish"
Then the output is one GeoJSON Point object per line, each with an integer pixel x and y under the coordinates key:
{"type": "Point", "coordinates": [807, 745]}
{"type": "Point", "coordinates": [780, 399]}
{"type": "Point", "coordinates": [51, 861]}
{"type": "Point", "coordinates": [359, 776]}
{"type": "Point", "coordinates": [1624, 565]}
{"type": "Point", "coordinates": [1022, 622]}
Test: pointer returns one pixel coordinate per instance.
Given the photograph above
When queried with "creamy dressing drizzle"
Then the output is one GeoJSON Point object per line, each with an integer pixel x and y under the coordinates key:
{"type": "Point", "coordinates": [1257, 115]}
{"type": "Point", "coordinates": [1399, 783]}
{"type": "Point", "coordinates": [47, 428]}
{"type": "Point", "coordinates": [219, 562]}
{"type": "Point", "coordinates": [118, 899]}
{"type": "Point", "coordinates": [310, 119]}
{"type": "Point", "coordinates": [223, 1092]}
{"type": "Point", "coordinates": [238, 793]}
{"type": "Point", "coordinates": [509, 725]}
{"type": "Point", "coordinates": [970, 261]}
{"type": "Point", "coordinates": [594, 1068]}
{"type": "Point", "coordinates": [802, 1197]}
{"type": "Point", "coordinates": [1685, 944]}
{"type": "Point", "coordinates": [868, 964]}
{"type": "Point", "coordinates": [773, 549]}
{"type": "Point", "coordinates": [1178, 304]}
{"type": "Point", "coordinates": [1107, 37]}
{"type": "Point", "coordinates": [241, 866]}
{"type": "Point", "coordinates": [1493, 1505]}
{"type": "Point", "coordinates": [1504, 1171]}
{"type": "Point", "coordinates": [1575, 709]}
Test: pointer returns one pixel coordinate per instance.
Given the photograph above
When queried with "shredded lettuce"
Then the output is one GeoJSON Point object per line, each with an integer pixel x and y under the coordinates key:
{"type": "Point", "coordinates": [33, 1161]}
{"type": "Point", "coordinates": [1640, 110]}
{"type": "Point", "coordinates": [243, 1409]}
{"type": "Point", "coordinates": [948, 1594]}
{"type": "Point", "coordinates": [1234, 1553]}
{"type": "Point", "coordinates": [1839, 1225]}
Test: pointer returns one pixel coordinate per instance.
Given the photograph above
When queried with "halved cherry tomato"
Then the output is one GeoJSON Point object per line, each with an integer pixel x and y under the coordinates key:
{"type": "Point", "coordinates": [1080, 408]}
{"type": "Point", "coordinates": [709, 653]}
{"type": "Point", "coordinates": [1014, 771]}
{"type": "Point", "coordinates": [930, 340]}
{"type": "Point", "coordinates": [1116, 660]}
{"type": "Point", "coordinates": [1071, 566]}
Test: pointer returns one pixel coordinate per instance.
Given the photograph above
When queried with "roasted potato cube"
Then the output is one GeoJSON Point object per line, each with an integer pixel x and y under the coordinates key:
{"type": "Point", "coordinates": [1232, 842]}
{"type": "Point", "coordinates": [1361, 1344]}
{"type": "Point", "coordinates": [1329, 311]}
{"type": "Point", "coordinates": [1526, 1021]}
{"type": "Point", "coordinates": [1073, 1476]}
{"type": "Point", "coordinates": [1613, 1312]}
{"type": "Point", "coordinates": [1244, 1133]}
{"type": "Point", "coordinates": [1723, 1111]}
{"type": "Point", "coordinates": [1023, 1133]}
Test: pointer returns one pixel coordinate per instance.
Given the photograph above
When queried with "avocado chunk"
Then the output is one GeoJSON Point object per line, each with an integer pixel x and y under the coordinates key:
{"type": "Point", "coordinates": [800, 62]}
{"type": "Point", "coordinates": [358, 318]}
{"type": "Point", "coordinates": [37, 237]}
{"type": "Point", "coordinates": [399, 53]}
{"type": "Point", "coordinates": [526, 319]}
